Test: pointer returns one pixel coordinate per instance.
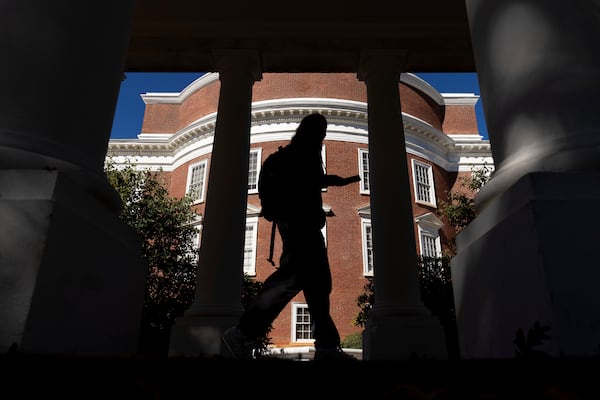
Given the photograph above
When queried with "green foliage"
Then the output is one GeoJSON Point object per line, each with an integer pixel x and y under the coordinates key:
{"type": "Point", "coordinates": [164, 226]}
{"type": "Point", "coordinates": [460, 207]}
{"type": "Point", "coordinates": [250, 288]}
{"type": "Point", "coordinates": [460, 210]}
{"type": "Point", "coordinates": [535, 337]}
{"type": "Point", "coordinates": [479, 177]}
{"type": "Point", "coordinates": [352, 341]}
{"type": "Point", "coordinates": [436, 285]}
{"type": "Point", "coordinates": [365, 303]}
{"type": "Point", "coordinates": [436, 292]}
{"type": "Point", "coordinates": [436, 289]}
{"type": "Point", "coordinates": [434, 273]}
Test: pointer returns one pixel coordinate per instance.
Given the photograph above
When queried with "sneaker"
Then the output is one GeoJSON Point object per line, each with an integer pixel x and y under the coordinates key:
{"type": "Point", "coordinates": [237, 343]}
{"type": "Point", "coordinates": [334, 353]}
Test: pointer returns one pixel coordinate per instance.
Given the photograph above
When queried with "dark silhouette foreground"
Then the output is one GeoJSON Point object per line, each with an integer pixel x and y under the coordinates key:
{"type": "Point", "coordinates": [304, 264]}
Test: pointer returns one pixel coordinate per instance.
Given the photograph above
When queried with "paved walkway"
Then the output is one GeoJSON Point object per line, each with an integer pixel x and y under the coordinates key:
{"type": "Point", "coordinates": [200, 378]}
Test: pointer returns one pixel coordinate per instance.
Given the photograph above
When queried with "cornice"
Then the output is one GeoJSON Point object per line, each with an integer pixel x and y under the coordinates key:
{"type": "Point", "coordinates": [180, 97]}
{"type": "Point", "coordinates": [364, 211]}
{"type": "Point", "coordinates": [460, 99]}
{"type": "Point", "coordinates": [408, 79]}
{"type": "Point", "coordinates": [429, 219]}
{"type": "Point", "coordinates": [290, 110]}
{"type": "Point", "coordinates": [419, 84]}
{"type": "Point", "coordinates": [252, 210]}
{"type": "Point", "coordinates": [344, 116]}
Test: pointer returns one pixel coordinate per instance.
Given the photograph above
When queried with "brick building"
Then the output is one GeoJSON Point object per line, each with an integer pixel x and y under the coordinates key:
{"type": "Point", "coordinates": [442, 144]}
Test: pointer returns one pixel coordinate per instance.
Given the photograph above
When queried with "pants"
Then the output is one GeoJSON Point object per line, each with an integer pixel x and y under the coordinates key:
{"type": "Point", "coordinates": [304, 266]}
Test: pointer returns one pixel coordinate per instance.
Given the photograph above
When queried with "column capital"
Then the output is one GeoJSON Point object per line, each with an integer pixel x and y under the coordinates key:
{"type": "Point", "coordinates": [380, 61]}
{"type": "Point", "coordinates": [229, 60]}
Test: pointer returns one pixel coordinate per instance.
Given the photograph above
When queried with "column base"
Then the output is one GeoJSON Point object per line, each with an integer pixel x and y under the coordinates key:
{"type": "Point", "coordinates": [73, 280]}
{"type": "Point", "coordinates": [531, 256]}
{"type": "Point", "coordinates": [198, 331]}
{"type": "Point", "coordinates": [403, 336]}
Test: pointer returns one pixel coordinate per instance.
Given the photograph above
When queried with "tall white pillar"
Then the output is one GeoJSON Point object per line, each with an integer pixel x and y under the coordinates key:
{"type": "Point", "coordinates": [218, 291]}
{"type": "Point", "coordinates": [530, 254]}
{"type": "Point", "coordinates": [399, 326]}
{"type": "Point", "coordinates": [72, 279]}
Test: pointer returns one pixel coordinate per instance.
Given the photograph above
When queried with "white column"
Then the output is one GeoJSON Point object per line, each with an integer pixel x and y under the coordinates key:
{"type": "Point", "coordinates": [72, 277]}
{"type": "Point", "coordinates": [399, 325]}
{"type": "Point", "coordinates": [530, 254]}
{"type": "Point", "coordinates": [539, 73]}
{"type": "Point", "coordinates": [218, 292]}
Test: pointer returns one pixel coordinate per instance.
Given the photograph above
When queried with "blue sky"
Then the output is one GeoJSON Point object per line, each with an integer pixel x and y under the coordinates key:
{"type": "Point", "coordinates": [127, 123]}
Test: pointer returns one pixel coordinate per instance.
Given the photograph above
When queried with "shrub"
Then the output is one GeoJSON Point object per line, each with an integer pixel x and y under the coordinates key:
{"type": "Point", "coordinates": [352, 341]}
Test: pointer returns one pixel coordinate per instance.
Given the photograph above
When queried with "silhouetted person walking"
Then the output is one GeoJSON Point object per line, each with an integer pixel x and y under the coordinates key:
{"type": "Point", "coordinates": [303, 265]}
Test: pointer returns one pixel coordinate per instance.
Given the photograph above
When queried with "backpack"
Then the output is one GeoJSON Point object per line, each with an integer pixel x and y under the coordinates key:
{"type": "Point", "coordinates": [270, 186]}
{"type": "Point", "coordinates": [271, 192]}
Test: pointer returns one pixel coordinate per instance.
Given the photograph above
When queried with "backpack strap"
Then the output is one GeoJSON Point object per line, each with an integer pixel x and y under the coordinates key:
{"type": "Point", "coordinates": [272, 245]}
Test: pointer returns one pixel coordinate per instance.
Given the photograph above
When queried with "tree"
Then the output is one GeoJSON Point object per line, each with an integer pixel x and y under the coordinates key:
{"type": "Point", "coordinates": [365, 303]}
{"type": "Point", "coordinates": [460, 207]}
{"type": "Point", "coordinates": [436, 293]}
{"type": "Point", "coordinates": [438, 296]}
{"type": "Point", "coordinates": [165, 227]}
{"type": "Point", "coordinates": [434, 272]}
{"type": "Point", "coordinates": [250, 289]}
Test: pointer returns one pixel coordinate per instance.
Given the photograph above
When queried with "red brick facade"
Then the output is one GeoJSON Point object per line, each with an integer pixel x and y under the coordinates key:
{"type": "Point", "coordinates": [344, 230]}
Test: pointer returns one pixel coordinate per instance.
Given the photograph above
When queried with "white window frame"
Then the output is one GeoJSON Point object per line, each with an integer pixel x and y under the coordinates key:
{"type": "Point", "coordinates": [429, 226]}
{"type": "Point", "coordinates": [430, 183]}
{"type": "Point", "coordinates": [189, 182]}
{"type": "Point", "coordinates": [327, 211]}
{"type": "Point", "coordinates": [196, 240]}
{"type": "Point", "coordinates": [253, 180]}
{"type": "Point", "coordinates": [363, 171]}
{"type": "Point", "coordinates": [367, 250]}
{"type": "Point", "coordinates": [301, 308]}
{"type": "Point", "coordinates": [324, 163]}
{"type": "Point", "coordinates": [423, 236]}
{"type": "Point", "coordinates": [249, 263]}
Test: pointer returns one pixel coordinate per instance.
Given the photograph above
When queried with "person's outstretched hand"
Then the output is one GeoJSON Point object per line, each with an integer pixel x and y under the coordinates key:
{"type": "Point", "coordinates": [351, 179]}
{"type": "Point", "coordinates": [335, 180]}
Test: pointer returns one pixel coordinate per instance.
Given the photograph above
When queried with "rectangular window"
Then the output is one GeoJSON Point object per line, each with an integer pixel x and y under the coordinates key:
{"type": "Point", "coordinates": [367, 245]}
{"type": "Point", "coordinates": [253, 170]}
{"type": "Point", "coordinates": [301, 323]}
{"type": "Point", "coordinates": [196, 242]}
{"type": "Point", "coordinates": [250, 247]}
{"type": "Point", "coordinates": [324, 163]}
{"type": "Point", "coordinates": [423, 182]}
{"type": "Point", "coordinates": [429, 235]}
{"type": "Point", "coordinates": [429, 245]}
{"type": "Point", "coordinates": [363, 165]}
{"type": "Point", "coordinates": [196, 180]}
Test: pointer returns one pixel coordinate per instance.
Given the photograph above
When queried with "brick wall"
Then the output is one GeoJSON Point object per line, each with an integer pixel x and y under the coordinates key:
{"type": "Point", "coordinates": [344, 234]}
